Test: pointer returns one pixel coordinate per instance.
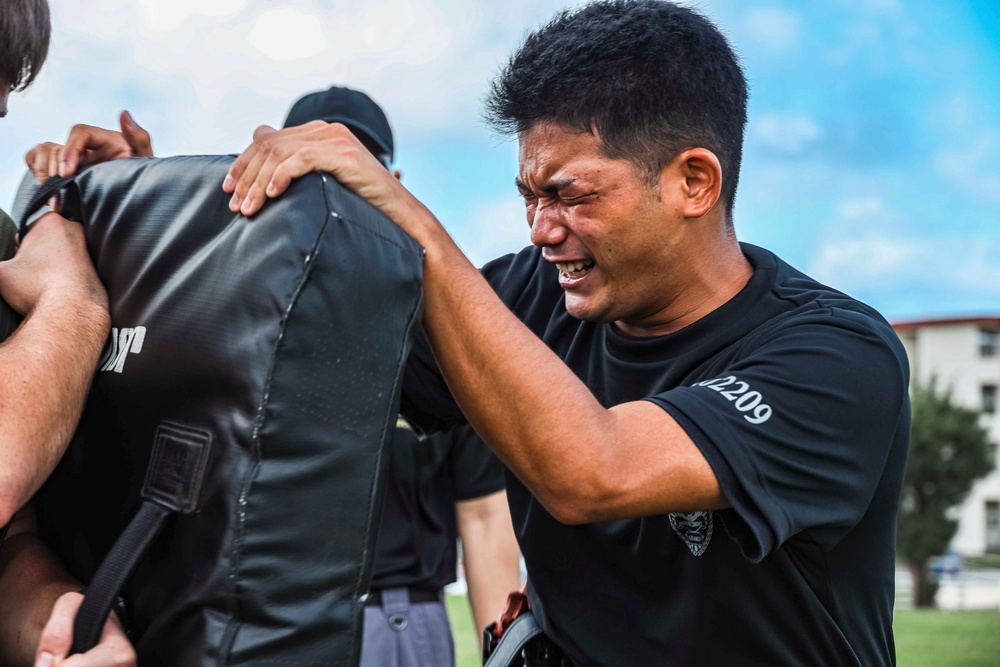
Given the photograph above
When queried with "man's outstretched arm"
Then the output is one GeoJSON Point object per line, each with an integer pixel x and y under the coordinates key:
{"type": "Point", "coordinates": [584, 462]}
{"type": "Point", "coordinates": [46, 366]}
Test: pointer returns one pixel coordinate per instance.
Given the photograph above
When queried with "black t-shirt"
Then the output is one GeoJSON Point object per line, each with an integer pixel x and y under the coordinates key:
{"type": "Point", "coordinates": [417, 533]}
{"type": "Point", "coordinates": [796, 395]}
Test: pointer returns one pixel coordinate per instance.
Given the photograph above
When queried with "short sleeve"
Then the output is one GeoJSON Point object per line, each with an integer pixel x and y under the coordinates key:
{"type": "Point", "coordinates": [798, 431]}
{"type": "Point", "coordinates": [476, 471]}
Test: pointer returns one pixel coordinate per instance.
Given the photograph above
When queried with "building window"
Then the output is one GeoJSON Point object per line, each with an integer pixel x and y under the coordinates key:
{"type": "Point", "coordinates": [993, 526]}
{"type": "Point", "coordinates": [989, 342]}
{"type": "Point", "coordinates": [989, 396]}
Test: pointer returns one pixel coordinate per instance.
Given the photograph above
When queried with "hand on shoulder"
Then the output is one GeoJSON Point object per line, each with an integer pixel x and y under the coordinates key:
{"type": "Point", "coordinates": [276, 157]}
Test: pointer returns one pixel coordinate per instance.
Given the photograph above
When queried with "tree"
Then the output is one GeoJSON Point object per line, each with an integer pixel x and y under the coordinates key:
{"type": "Point", "coordinates": [949, 451]}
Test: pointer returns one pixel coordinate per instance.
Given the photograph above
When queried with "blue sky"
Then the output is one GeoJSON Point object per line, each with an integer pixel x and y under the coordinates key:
{"type": "Point", "coordinates": [872, 158]}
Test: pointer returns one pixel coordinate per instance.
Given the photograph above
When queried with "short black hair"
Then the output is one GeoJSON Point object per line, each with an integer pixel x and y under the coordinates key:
{"type": "Point", "coordinates": [25, 28]}
{"type": "Point", "coordinates": [650, 78]}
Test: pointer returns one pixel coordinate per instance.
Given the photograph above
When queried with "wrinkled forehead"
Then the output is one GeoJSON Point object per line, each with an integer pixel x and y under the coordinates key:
{"type": "Point", "coordinates": [548, 146]}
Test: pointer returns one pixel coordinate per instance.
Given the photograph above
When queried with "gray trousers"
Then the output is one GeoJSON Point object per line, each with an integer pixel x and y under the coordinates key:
{"type": "Point", "coordinates": [398, 634]}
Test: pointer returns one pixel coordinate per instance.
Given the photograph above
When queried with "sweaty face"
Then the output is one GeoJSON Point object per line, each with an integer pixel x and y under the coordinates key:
{"type": "Point", "coordinates": [605, 228]}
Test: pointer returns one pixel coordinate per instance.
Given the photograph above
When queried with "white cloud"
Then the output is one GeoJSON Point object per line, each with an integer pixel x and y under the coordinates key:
{"type": "Point", "coordinates": [772, 28]}
{"type": "Point", "coordinates": [862, 261]}
{"type": "Point", "coordinates": [287, 34]}
{"type": "Point", "coordinates": [956, 265]}
{"type": "Point", "coordinates": [861, 208]}
{"type": "Point", "coordinates": [164, 17]}
{"type": "Point", "coordinates": [975, 166]}
{"type": "Point", "coordinates": [871, 248]}
{"type": "Point", "coordinates": [784, 133]}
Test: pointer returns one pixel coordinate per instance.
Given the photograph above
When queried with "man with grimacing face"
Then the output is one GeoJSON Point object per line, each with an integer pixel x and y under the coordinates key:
{"type": "Point", "coordinates": [706, 446]}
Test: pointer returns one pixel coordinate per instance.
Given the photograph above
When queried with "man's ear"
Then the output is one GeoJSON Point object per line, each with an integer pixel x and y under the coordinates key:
{"type": "Point", "coordinates": [698, 174]}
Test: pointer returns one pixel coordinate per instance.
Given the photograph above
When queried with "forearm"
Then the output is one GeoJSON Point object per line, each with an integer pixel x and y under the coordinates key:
{"type": "Point", "coordinates": [31, 580]}
{"type": "Point", "coordinates": [540, 419]}
{"type": "Point", "coordinates": [45, 371]}
{"type": "Point", "coordinates": [583, 462]}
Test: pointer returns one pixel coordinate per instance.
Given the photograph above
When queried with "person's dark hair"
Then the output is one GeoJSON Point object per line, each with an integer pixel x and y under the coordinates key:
{"type": "Point", "coordinates": [651, 79]}
{"type": "Point", "coordinates": [24, 41]}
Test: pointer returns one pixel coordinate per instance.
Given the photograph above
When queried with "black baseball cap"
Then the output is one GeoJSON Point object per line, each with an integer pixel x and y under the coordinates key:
{"type": "Point", "coordinates": [352, 108]}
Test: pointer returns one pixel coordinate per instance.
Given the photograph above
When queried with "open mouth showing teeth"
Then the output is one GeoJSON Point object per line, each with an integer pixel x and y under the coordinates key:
{"type": "Point", "coordinates": [575, 268]}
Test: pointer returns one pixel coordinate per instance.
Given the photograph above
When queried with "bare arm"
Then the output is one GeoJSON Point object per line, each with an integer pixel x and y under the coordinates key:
{"type": "Point", "coordinates": [38, 604]}
{"type": "Point", "coordinates": [31, 580]}
{"type": "Point", "coordinates": [47, 365]}
{"type": "Point", "coordinates": [584, 462]}
{"type": "Point", "coordinates": [490, 553]}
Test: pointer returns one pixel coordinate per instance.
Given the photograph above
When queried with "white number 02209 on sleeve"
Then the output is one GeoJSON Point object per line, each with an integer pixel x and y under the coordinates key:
{"type": "Point", "coordinates": [748, 402]}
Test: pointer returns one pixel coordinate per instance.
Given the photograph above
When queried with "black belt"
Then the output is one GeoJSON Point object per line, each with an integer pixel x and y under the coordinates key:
{"type": "Point", "coordinates": [416, 596]}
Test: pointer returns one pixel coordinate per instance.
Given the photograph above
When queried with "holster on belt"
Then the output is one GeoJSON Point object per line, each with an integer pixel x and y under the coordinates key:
{"type": "Point", "coordinates": [531, 648]}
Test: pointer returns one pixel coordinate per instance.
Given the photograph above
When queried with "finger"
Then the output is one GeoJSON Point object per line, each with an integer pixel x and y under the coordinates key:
{"type": "Point", "coordinates": [282, 176]}
{"type": "Point", "coordinates": [87, 144]}
{"type": "Point", "coordinates": [37, 160]}
{"type": "Point", "coordinates": [261, 188]}
{"type": "Point", "coordinates": [242, 184]}
{"type": "Point", "coordinates": [53, 169]}
{"type": "Point", "coordinates": [53, 164]}
{"type": "Point", "coordinates": [113, 650]}
{"type": "Point", "coordinates": [115, 654]}
{"type": "Point", "coordinates": [241, 163]}
{"type": "Point", "coordinates": [263, 131]}
{"type": "Point", "coordinates": [57, 635]}
{"type": "Point", "coordinates": [236, 170]}
{"type": "Point", "coordinates": [138, 139]}
{"type": "Point", "coordinates": [80, 138]}
{"type": "Point", "coordinates": [248, 184]}
{"type": "Point", "coordinates": [264, 149]}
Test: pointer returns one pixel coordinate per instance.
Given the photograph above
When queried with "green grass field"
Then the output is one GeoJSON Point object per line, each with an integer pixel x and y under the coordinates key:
{"type": "Point", "coordinates": [923, 638]}
{"type": "Point", "coordinates": [947, 638]}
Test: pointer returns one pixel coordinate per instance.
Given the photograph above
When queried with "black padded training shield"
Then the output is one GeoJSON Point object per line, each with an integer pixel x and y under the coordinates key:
{"type": "Point", "coordinates": [266, 352]}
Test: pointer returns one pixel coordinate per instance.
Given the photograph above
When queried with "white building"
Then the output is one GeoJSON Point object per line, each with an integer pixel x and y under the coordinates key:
{"type": "Point", "coordinates": [964, 353]}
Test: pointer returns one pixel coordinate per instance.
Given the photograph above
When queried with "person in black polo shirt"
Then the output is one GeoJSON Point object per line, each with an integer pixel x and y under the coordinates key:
{"type": "Point", "coordinates": [439, 489]}
{"type": "Point", "coordinates": [705, 446]}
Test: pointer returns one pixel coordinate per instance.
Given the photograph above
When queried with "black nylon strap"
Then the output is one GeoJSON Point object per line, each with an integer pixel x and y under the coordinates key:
{"type": "Point", "coordinates": [113, 573]}
{"type": "Point", "coordinates": [50, 187]}
{"type": "Point", "coordinates": [173, 485]}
